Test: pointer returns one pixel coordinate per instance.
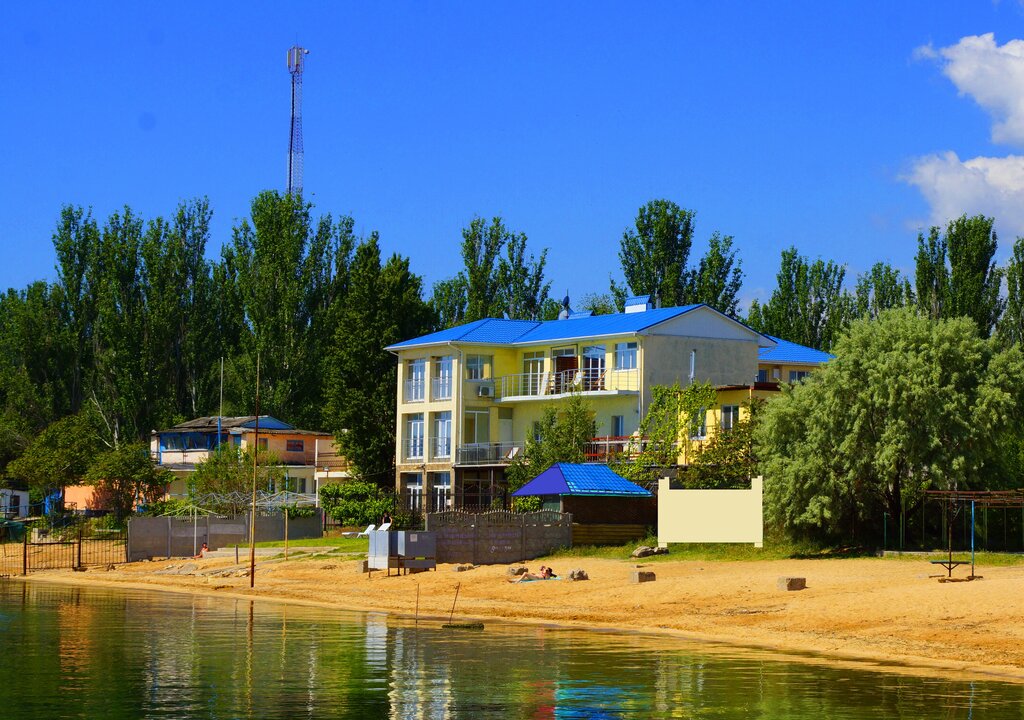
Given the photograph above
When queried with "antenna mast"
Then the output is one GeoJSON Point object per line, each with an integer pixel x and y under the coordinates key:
{"type": "Point", "coordinates": [296, 63]}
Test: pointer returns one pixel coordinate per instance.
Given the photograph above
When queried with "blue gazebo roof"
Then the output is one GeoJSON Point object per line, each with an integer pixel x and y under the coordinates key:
{"type": "Point", "coordinates": [576, 479]}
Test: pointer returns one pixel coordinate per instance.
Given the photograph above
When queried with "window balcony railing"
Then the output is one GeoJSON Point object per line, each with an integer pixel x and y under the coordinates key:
{"type": "Point", "coordinates": [487, 453]}
{"type": "Point", "coordinates": [414, 390]}
{"type": "Point", "coordinates": [567, 381]}
{"type": "Point", "coordinates": [441, 388]}
{"type": "Point", "coordinates": [414, 449]}
{"type": "Point", "coordinates": [441, 447]}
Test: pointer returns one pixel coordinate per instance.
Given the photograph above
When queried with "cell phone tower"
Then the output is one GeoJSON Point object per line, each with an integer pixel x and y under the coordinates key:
{"type": "Point", "coordinates": [296, 63]}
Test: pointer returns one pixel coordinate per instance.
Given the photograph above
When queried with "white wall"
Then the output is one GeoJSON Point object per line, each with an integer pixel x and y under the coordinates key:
{"type": "Point", "coordinates": [6, 505]}
{"type": "Point", "coordinates": [711, 516]}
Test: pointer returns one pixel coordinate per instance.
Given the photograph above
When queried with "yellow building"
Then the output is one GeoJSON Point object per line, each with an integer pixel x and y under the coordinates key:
{"type": "Point", "coordinates": [309, 458]}
{"type": "Point", "coordinates": [469, 396]}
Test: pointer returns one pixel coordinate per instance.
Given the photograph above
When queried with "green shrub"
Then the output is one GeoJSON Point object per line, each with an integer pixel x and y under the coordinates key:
{"type": "Point", "coordinates": [356, 503]}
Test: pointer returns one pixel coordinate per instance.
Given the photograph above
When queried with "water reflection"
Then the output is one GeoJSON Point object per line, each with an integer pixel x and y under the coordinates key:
{"type": "Point", "coordinates": [85, 653]}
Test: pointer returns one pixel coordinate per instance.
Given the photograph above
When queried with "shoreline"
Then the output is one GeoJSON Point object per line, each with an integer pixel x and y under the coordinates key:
{"type": "Point", "coordinates": [830, 623]}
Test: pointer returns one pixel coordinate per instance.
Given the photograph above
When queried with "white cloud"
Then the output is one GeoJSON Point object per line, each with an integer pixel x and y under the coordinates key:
{"type": "Point", "coordinates": [991, 186]}
{"type": "Point", "coordinates": [991, 74]}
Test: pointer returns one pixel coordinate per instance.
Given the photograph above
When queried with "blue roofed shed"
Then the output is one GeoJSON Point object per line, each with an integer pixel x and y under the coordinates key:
{"type": "Point", "coordinates": [604, 505]}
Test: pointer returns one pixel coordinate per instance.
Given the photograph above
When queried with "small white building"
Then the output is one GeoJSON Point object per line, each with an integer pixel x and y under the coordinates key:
{"type": "Point", "coordinates": [13, 503]}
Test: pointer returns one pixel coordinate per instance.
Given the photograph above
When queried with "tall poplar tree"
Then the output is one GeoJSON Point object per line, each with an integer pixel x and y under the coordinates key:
{"type": "Point", "coordinates": [957, 275]}
{"type": "Point", "coordinates": [383, 306]}
{"type": "Point", "coordinates": [654, 253]}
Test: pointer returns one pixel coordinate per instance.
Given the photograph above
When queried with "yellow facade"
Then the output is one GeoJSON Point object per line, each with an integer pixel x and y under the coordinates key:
{"type": "Point", "coordinates": [465, 409]}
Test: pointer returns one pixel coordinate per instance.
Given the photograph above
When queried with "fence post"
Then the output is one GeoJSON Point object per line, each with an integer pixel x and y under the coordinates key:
{"type": "Point", "coordinates": [24, 552]}
{"type": "Point", "coordinates": [78, 558]}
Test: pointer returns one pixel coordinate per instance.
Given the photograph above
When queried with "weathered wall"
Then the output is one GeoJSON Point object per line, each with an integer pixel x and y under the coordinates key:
{"type": "Point", "coordinates": [711, 516]}
{"type": "Point", "coordinates": [498, 537]}
{"type": "Point", "coordinates": [150, 537]}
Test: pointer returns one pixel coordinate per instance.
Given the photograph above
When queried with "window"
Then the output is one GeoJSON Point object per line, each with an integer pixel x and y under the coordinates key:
{"type": "Point", "coordinates": [300, 485]}
{"type": "Point", "coordinates": [261, 443]}
{"type": "Point", "coordinates": [415, 379]}
{"type": "Point", "coordinates": [537, 431]}
{"type": "Point", "coordinates": [478, 367]}
{"type": "Point", "coordinates": [593, 367]}
{"type": "Point", "coordinates": [441, 383]}
{"type": "Point", "coordinates": [618, 425]}
{"type": "Point", "coordinates": [797, 375]}
{"type": "Point", "coordinates": [477, 490]}
{"type": "Point", "coordinates": [762, 376]}
{"type": "Point", "coordinates": [476, 428]}
{"type": "Point", "coordinates": [412, 484]}
{"type": "Point", "coordinates": [294, 445]}
{"type": "Point", "coordinates": [693, 365]}
{"type": "Point", "coordinates": [699, 425]}
{"type": "Point", "coordinates": [533, 370]}
{"type": "Point", "coordinates": [625, 356]}
{"type": "Point", "coordinates": [414, 435]}
{"type": "Point", "coordinates": [442, 435]}
{"type": "Point", "coordinates": [441, 482]}
{"type": "Point", "coordinates": [730, 416]}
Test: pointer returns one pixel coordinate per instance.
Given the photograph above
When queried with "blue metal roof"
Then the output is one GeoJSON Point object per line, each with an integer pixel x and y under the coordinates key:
{"type": "Point", "coordinates": [789, 352]}
{"type": "Point", "coordinates": [576, 479]}
{"type": "Point", "coordinates": [516, 332]}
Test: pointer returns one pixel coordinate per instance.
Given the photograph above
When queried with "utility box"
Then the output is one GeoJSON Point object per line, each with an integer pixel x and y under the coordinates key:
{"type": "Point", "coordinates": [417, 544]}
{"type": "Point", "coordinates": [402, 550]}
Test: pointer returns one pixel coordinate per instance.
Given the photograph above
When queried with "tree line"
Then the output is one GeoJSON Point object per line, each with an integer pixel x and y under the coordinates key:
{"type": "Point", "coordinates": [134, 331]}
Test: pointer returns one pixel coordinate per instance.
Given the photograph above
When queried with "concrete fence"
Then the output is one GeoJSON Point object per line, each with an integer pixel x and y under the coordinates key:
{"type": "Point", "coordinates": [710, 516]}
{"type": "Point", "coordinates": [499, 536]}
{"type": "Point", "coordinates": [152, 537]}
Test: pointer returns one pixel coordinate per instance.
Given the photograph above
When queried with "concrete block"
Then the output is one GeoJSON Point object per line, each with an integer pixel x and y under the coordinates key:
{"type": "Point", "coordinates": [791, 583]}
{"type": "Point", "coordinates": [642, 576]}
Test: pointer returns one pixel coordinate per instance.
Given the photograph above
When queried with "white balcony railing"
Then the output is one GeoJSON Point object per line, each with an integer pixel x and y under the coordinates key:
{"type": "Point", "coordinates": [441, 388]}
{"type": "Point", "coordinates": [566, 381]}
{"type": "Point", "coordinates": [414, 449]}
{"type": "Point", "coordinates": [441, 447]}
{"type": "Point", "coordinates": [488, 453]}
{"type": "Point", "coordinates": [414, 390]}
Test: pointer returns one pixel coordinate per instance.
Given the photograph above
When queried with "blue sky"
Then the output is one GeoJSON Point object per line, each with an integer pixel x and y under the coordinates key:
{"type": "Point", "coordinates": [840, 128]}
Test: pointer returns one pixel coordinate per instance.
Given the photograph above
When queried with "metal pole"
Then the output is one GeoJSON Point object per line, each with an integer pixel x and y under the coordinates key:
{"type": "Point", "coordinates": [972, 538]}
{"type": "Point", "coordinates": [24, 552]}
{"type": "Point", "coordinates": [255, 470]}
{"type": "Point", "coordinates": [885, 531]}
{"type": "Point", "coordinates": [286, 533]}
{"type": "Point", "coordinates": [78, 560]}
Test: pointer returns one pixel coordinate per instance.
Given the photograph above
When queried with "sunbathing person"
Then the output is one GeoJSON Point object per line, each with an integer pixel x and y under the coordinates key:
{"type": "Point", "coordinates": [545, 574]}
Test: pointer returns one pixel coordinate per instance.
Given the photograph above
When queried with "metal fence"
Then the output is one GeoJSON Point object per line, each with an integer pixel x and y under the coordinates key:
{"type": "Point", "coordinates": [71, 548]}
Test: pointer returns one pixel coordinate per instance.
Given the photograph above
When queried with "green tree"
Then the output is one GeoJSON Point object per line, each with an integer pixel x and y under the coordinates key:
{"type": "Point", "coordinates": [654, 254]}
{"type": "Point", "coordinates": [882, 288]}
{"type": "Point", "coordinates": [60, 455]}
{"type": "Point", "coordinates": [956, 273]}
{"type": "Point", "coordinates": [808, 305]}
{"type": "Point", "coordinates": [717, 279]}
{"type": "Point", "coordinates": [284, 271]}
{"type": "Point", "coordinates": [448, 301]}
{"type": "Point", "coordinates": [227, 472]}
{"type": "Point", "coordinates": [383, 306]}
{"type": "Point", "coordinates": [907, 404]}
{"type": "Point", "coordinates": [669, 423]}
{"type": "Point", "coordinates": [727, 459]}
{"type": "Point", "coordinates": [521, 287]}
{"type": "Point", "coordinates": [125, 476]}
{"type": "Point", "coordinates": [1011, 324]}
{"type": "Point", "coordinates": [598, 303]}
{"type": "Point", "coordinates": [562, 435]}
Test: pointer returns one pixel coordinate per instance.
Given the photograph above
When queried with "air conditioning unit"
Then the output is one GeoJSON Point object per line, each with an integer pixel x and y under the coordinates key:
{"type": "Point", "coordinates": [485, 391]}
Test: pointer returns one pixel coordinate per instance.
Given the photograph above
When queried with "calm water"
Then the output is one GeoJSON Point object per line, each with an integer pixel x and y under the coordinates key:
{"type": "Point", "coordinates": [90, 653]}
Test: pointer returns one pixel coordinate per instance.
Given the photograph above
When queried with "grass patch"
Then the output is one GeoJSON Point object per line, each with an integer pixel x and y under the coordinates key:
{"type": "Point", "coordinates": [344, 544]}
{"type": "Point", "coordinates": [712, 552]}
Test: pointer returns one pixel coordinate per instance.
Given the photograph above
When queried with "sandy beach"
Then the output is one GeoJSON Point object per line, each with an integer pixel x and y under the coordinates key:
{"type": "Point", "coordinates": [870, 610]}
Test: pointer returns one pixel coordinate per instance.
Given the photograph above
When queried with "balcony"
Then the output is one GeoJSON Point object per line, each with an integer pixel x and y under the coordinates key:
{"type": "Point", "coordinates": [441, 388]}
{"type": "Point", "coordinates": [497, 453]}
{"type": "Point", "coordinates": [413, 449]}
{"type": "Point", "coordinates": [414, 390]}
{"type": "Point", "coordinates": [546, 385]}
{"type": "Point", "coordinates": [441, 447]}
